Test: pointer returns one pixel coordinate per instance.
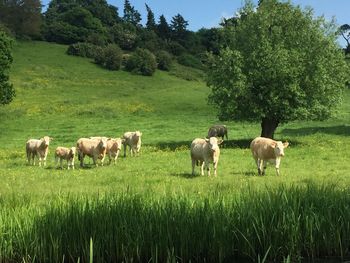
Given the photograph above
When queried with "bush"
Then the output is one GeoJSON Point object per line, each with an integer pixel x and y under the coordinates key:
{"type": "Point", "coordinates": [190, 61]}
{"type": "Point", "coordinates": [164, 60]}
{"type": "Point", "coordinates": [109, 57]}
{"type": "Point", "coordinates": [82, 49]}
{"type": "Point", "coordinates": [142, 61]}
{"type": "Point", "coordinates": [175, 48]}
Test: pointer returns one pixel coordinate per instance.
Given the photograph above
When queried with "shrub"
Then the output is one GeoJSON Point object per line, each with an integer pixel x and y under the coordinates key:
{"type": "Point", "coordinates": [164, 60]}
{"type": "Point", "coordinates": [190, 61]}
{"type": "Point", "coordinates": [142, 61]}
{"type": "Point", "coordinates": [82, 49]}
{"type": "Point", "coordinates": [109, 57]}
{"type": "Point", "coordinates": [113, 57]}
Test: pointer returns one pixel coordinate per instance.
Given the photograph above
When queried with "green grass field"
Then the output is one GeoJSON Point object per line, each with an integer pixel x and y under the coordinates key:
{"type": "Point", "coordinates": [150, 207]}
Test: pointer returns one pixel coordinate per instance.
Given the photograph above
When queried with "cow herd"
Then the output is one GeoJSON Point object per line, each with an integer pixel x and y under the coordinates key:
{"type": "Point", "coordinates": [203, 151]}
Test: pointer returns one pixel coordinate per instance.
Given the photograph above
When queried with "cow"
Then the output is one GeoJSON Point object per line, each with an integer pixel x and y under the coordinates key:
{"type": "Point", "coordinates": [94, 148]}
{"type": "Point", "coordinates": [267, 150]}
{"type": "Point", "coordinates": [204, 152]}
{"type": "Point", "coordinates": [68, 154]}
{"type": "Point", "coordinates": [218, 131]}
{"type": "Point", "coordinates": [133, 140]}
{"type": "Point", "coordinates": [39, 148]}
{"type": "Point", "coordinates": [114, 146]}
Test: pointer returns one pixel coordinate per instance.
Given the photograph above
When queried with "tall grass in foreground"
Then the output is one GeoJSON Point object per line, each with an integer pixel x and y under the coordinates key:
{"type": "Point", "coordinates": [296, 222]}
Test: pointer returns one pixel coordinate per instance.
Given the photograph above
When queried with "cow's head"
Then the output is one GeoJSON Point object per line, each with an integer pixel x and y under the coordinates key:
{"type": "Point", "coordinates": [72, 151]}
{"type": "Point", "coordinates": [213, 143]}
{"type": "Point", "coordinates": [45, 141]}
{"type": "Point", "coordinates": [103, 143]}
{"type": "Point", "coordinates": [279, 148]}
{"type": "Point", "coordinates": [138, 134]}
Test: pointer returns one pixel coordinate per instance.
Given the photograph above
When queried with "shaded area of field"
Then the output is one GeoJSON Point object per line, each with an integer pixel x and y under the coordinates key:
{"type": "Point", "coordinates": [343, 130]}
{"type": "Point", "coordinates": [298, 222]}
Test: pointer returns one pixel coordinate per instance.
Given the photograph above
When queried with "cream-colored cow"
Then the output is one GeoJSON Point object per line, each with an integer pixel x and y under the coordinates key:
{"type": "Point", "coordinates": [94, 148]}
{"type": "Point", "coordinates": [204, 152]}
{"type": "Point", "coordinates": [267, 150]}
{"type": "Point", "coordinates": [38, 148]}
{"type": "Point", "coordinates": [68, 154]}
{"type": "Point", "coordinates": [133, 140]}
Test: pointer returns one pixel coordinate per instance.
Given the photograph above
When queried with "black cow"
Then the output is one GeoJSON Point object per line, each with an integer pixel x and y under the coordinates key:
{"type": "Point", "coordinates": [218, 131]}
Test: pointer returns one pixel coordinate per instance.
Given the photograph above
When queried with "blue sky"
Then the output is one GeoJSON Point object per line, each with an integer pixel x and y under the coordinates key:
{"type": "Point", "coordinates": [208, 13]}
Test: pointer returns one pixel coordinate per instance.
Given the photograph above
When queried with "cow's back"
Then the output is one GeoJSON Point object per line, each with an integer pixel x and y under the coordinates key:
{"type": "Point", "coordinates": [262, 148]}
{"type": "Point", "coordinates": [86, 145]}
{"type": "Point", "coordinates": [198, 148]}
{"type": "Point", "coordinates": [32, 145]}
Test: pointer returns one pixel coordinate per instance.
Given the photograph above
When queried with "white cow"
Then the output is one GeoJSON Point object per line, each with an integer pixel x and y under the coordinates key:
{"type": "Point", "coordinates": [94, 148]}
{"type": "Point", "coordinates": [133, 140]}
{"type": "Point", "coordinates": [204, 152]}
{"type": "Point", "coordinates": [114, 147]}
{"type": "Point", "coordinates": [38, 148]}
{"type": "Point", "coordinates": [267, 150]}
{"type": "Point", "coordinates": [68, 154]}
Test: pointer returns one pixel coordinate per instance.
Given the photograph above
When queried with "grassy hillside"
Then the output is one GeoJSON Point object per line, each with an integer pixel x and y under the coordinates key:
{"type": "Point", "coordinates": [69, 97]}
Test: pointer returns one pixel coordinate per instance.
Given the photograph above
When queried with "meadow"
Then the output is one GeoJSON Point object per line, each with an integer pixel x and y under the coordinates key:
{"type": "Point", "coordinates": [150, 208]}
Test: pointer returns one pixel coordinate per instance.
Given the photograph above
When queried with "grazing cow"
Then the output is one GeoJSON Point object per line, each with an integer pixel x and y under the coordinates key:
{"type": "Point", "coordinates": [38, 148]}
{"type": "Point", "coordinates": [94, 148]}
{"type": "Point", "coordinates": [114, 146]}
{"type": "Point", "coordinates": [204, 152]}
{"type": "Point", "coordinates": [133, 140]}
{"type": "Point", "coordinates": [64, 153]}
{"type": "Point", "coordinates": [267, 150]}
{"type": "Point", "coordinates": [218, 131]}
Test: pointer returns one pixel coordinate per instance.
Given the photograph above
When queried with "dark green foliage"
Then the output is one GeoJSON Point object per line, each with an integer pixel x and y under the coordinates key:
{"type": "Point", "coordinates": [211, 39]}
{"type": "Point", "coordinates": [190, 61]}
{"type": "Point", "coordinates": [272, 69]}
{"type": "Point", "coordinates": [164, 60]}
{"type": "Point", "coordinates": [148, 39]}
{"type": "Point", "coordinates": [151, 23]}
{"type": "Point", "coordinates": [175, 48]}
{"type": "Point", "coordinates": [143, 62]}
{"type": "Point", "coordinates": [344, 30]}
{"type": "Point", "coordinates": [163, 28]}
{"type": "Point", "coordinates": [6, 89]}
{"type": "Point", "coordinates": [23, 18]}
{"type": "Point", "coordinates": [79, 21]}
{"type": "Point", "coordinates": [131, 15]}
{"type": "Point", "coordinates": [109, 57]}
{"type": "Point", "coordinates": [178, 26]}
{"type": "Point", "coordinates": [82, 49]}
{"type": "Point", "coordinates": [125, 35]}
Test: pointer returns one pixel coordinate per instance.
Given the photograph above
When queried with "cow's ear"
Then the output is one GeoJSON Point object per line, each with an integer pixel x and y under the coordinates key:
{"type": "Point", "coordinates": [285, 145]}
{"type": "Point", "coordinates": [50, 138]}
{"type": "Point", "coordinates": [220, 141]}
{"type": "Point", "coordinates": [273, 145]}
{"type": "Point", "coordinates": [206, 139]}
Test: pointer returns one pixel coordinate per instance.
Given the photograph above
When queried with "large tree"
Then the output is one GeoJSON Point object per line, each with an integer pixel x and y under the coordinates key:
{"type": "Point", "coordinates": [279, 64]}
{"type": "Point", "coordinates": [131, 15]}
{"type": "Point", "coordinates": [178, 26]}
{"type": "Point", "coordinates": [344, 30]}
{"type": "Point", "coordinates": [22, 17]}
{"type": "Point", "coordinates": [6, 89]}
{"type": "Point", "coordinates": [151, 23]}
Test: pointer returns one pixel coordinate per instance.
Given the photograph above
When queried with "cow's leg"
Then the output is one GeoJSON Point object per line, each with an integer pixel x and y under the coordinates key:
{"type": "Point", "coordinates": [215, 168]}
{"type": "Point", "coordinates": [116, 157]}
{"type": "Point", "coordinates": [193, 165]}
{"type": "Point", "coordinates": [102, 160]}
{"type": "Point", "coordinates": [94, 159]}
{"type": "Point", "coordinates": [28, 156]}
{"type": "Point", "coordinates": [264, 164]}
{"type": "Point", "coordinates": [124, 149]}
{"type": "Point", "coordinates": [61, 163]}
{"type": "Point", "coordinates": [258, 163]}
{"type": "Point", "coordinates": [69, 163]}
{"type": "Point", "coordinates": [81, 159]}
{"type": "Point", "coordinates": [277, 165]}
{"type": "Point", "coordinates": [110, 156]}
{"type": "Point", "coordinates": [207, 165]}
{"type": "Point", "coordinates": [202, 167]}
{"type": "Point", "coordinates": [33, 158]}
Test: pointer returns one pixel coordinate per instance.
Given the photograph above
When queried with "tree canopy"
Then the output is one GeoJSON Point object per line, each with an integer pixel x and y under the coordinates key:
{"type": "Point", "coordinates": [279, 64]}
{"type": "Point", "coordinates": [6, 89]}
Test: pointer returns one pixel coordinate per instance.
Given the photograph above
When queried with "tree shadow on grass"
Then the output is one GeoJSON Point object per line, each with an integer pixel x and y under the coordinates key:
{"type": "Point", "coordinates": [335, 130]}
{"type": "Point", "coordinates": [173, 145]}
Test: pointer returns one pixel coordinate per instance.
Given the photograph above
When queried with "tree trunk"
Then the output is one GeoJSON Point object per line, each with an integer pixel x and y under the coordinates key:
{"type": "Point", "coordinates": [268, 127]}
